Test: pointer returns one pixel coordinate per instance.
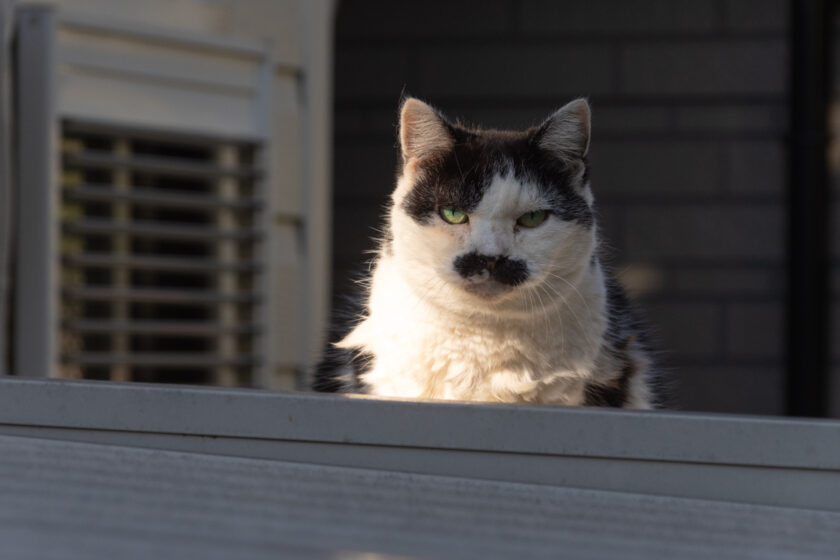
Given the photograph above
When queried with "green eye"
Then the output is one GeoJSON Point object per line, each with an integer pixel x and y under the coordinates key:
{"type": "Point", "coordinates": [532, 219]}
{"type": "Point", "coordinates": [452, 215]}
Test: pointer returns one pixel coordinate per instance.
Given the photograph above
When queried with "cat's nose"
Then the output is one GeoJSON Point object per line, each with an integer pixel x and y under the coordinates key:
{"type": "Point", "coordinates": [500, 268]}
{"type": "Point", "coordinates": [475, 264]}
{"type": "Point", "coordinates": [490, 262]}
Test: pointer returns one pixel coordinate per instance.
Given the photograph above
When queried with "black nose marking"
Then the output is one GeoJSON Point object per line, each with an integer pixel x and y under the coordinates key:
{"type": "Point", "coordinates": [470, 264]}
{"type": "Point", "coordinates": [501, 268]}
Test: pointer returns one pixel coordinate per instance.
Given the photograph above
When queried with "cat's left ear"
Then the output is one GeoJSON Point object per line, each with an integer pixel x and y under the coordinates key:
{"type": "Point", "coordinates": [566, 132]}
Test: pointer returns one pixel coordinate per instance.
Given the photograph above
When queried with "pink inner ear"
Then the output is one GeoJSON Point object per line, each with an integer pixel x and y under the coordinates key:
{"type": "Point", "coordinates": [422, 131]}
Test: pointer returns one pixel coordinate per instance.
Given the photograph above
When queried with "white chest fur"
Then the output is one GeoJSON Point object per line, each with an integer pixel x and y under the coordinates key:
{"type": "Point", "coordinates": [540, 350]}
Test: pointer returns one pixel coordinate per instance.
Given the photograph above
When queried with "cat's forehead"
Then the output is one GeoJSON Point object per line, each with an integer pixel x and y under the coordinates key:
{"type": "Point", "coordinates": [492, 147]}
{"type": "Point", "coordinates": [506, 196]}
{"type": "Point", "coordinates": [461, 176]}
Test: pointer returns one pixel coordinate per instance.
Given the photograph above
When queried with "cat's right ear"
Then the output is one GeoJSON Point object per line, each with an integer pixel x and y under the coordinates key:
{"type": "Point", "coordinates": [423, 132]}
{"type": "Point", "coordinates": [566, 132]}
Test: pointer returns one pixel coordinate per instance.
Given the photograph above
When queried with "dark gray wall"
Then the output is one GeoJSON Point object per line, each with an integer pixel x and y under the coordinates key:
{"type": "Point", "coordinates": [834, 226]}
{"type": "Point", "coordinates": [689, 108]}
{"type": "Point", "coordinates": [5, 175]}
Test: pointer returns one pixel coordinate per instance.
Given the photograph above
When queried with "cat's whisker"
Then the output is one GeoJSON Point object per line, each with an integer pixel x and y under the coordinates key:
{"type": "Point", "coordinates": [437, 286]}
{"type": "Point", "coordinates": [547, 323]}
{"type": "Point", "coordinates": [531, 310]}
{"type": "Point", "coordinates": [565, 302]}
{"type": "Point", "coordinates": [562, 328]}
{"type": "Point", "coordinates": [572, 286]}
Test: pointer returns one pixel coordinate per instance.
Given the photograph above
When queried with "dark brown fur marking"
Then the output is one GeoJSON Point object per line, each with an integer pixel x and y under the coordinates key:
{"type": "Point", "coordinates": [615, 392]}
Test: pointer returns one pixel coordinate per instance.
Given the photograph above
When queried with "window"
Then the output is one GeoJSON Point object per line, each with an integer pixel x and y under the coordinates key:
{"type": "Point", "coordinates": [157, 240]}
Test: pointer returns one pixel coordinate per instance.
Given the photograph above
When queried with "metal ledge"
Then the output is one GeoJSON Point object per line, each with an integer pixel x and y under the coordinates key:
{"type": "Point", "coordinates": [79, 501]}
{"type": "Point", "coordinates": [768, 461]}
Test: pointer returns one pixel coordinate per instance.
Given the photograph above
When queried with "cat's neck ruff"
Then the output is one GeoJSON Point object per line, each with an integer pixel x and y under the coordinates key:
{"type": "Point", "coordinates": [554, 338]}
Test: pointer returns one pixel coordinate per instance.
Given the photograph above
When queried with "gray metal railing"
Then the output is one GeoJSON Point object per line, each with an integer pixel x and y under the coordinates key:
{"type": "Point", "coordinates": [770, 461]}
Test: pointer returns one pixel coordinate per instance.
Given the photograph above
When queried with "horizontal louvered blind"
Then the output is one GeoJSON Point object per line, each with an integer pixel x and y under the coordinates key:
{"type": "Point", "coordinates": [159, 257]}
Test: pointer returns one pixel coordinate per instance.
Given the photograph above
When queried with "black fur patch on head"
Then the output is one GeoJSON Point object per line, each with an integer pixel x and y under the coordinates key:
{"type": "Point", "coordinates": [504, 270]}
{"type": "Point", "coordinates": [460, 176]}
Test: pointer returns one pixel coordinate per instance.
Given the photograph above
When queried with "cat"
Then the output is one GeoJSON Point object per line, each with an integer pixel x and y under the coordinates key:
{"type": "Point", "coordinates": [488, 284]}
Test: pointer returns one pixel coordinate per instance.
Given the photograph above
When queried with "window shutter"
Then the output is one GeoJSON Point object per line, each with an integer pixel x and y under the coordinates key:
{"type": "Point", "coordinates": [159, 257]}
{"type": "Point", "coordinates": [160, 205]}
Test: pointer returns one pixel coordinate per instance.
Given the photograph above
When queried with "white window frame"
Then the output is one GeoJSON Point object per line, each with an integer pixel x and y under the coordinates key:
{"type": "Point", "coordinates": [36, 265]}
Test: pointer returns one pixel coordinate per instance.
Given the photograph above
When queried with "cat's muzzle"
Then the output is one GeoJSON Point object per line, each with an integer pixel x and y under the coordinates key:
{"type": "Point", "coordinates": [490, 275]}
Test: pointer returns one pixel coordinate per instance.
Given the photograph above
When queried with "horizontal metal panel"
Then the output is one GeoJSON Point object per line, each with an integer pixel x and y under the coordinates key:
{"type": "Point", "coordinates": [159, 230]}
{"type": "Point", "coordinates": [165, 133]}
{"type": "Point", "coordinates": [164, 165]}
{"type": "Point", "coordinates": [78, 501]}
{"type": "Point", "coordinates": [774, 461]}
{"type": "Point", "coordinates": [159, 328]}
{"type": "Point", "coordinates": [109, 52]}
{"type": "Point", "coordinates": [127, 100]}
{"type": "Point", "coordinates": [157, 27]}
{"type": "Point", "coordinates": [180, 264]}
{"type": "Point", "coordinates": [158, 197]}
{"type": "Point", "coordinates": [197, 82]}
{"type": "Point", "coordinates": [158, 295]}
{"type": "Point", "coordinates": [160, 359]}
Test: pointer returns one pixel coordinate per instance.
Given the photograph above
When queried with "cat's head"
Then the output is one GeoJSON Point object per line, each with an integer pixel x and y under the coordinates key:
{"type": "Point", "coordinates": [485, 216]}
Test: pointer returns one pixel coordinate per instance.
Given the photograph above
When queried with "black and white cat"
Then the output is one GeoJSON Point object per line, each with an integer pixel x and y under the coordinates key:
{"type": "Point", "coordinates": [488, 284]}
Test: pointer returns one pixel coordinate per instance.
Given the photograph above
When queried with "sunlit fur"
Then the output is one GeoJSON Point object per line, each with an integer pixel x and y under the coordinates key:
{"type": "Point", "coordinates": [431, 333]}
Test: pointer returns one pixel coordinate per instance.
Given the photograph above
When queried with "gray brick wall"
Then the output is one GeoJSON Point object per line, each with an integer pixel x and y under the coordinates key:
{"type": "Point", "coordinates": [688, 151]}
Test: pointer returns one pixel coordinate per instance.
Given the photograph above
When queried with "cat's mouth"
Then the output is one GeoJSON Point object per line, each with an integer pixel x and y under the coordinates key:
{"type": "Point", "coordinates": [488, 289]}
{"type": "Point", "coordinates": [490, 276]}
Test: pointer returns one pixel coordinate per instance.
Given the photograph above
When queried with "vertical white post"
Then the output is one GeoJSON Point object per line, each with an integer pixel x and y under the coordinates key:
{"type": "Point", "coordinates": [316, 147]}
{"type": "Point", "coordinates": [36, 321]}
